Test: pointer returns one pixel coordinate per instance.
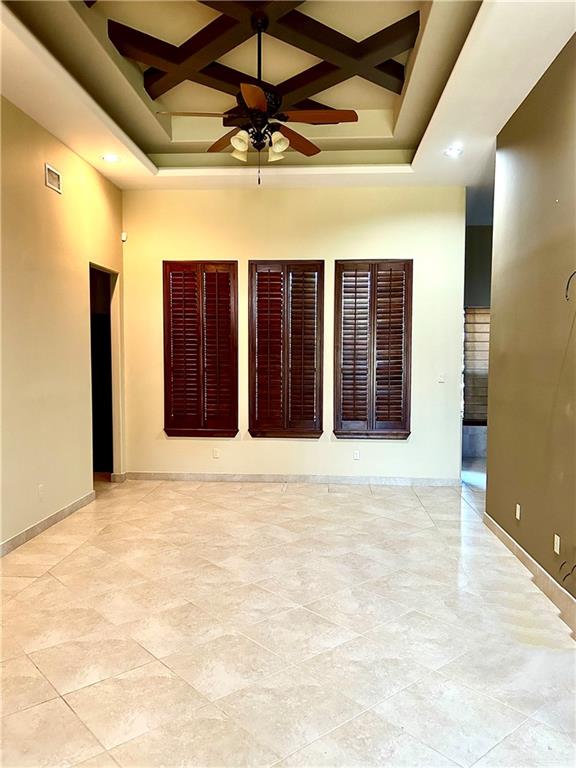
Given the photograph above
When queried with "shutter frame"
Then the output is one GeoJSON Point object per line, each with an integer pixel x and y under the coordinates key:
{"type": "Point", "coordinates": [224, 424]}
{"type": "Point", "coordinates": [283, 426]}
{"type": "Point", "coordinates": [370, 427]}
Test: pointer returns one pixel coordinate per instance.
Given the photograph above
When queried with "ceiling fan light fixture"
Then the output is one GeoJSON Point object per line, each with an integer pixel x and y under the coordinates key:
{"type": "Point", "coordinates": [279, 142]}
{"type": "Point", "coordinates": [274, 156]}
{"type": "Point", "coordinates": [239, 155]}
{"type": "Point", "coordinates": [241, 141]}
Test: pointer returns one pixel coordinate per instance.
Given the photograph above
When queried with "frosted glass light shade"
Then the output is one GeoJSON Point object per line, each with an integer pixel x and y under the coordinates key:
{"type": "Point", "coordinates": [274, 156]}
{"type": "Point", "coordinates": [279, 142]}
{"type": "Point", "coordinates": [241, 141]}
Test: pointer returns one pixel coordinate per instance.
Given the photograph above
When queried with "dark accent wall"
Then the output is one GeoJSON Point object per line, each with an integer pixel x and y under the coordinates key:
{"type": "Point", "coordinates": [478, 266]}
{"type": "Point", "coordinates": [532, 385]}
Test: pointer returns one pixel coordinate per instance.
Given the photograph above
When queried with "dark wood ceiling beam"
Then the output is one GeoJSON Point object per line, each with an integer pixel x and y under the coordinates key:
{"type": "Point", "coordinates": [141, 47]}
{"type": "Point", "coordinates": [362, 59]}
{"type": "Point", "coordinates": [389, 42]}
{"type": "Point", "coordinates": [204, 48]}
{"type": "Point", "coordinates": [243, 11]}
{"type": "Point", "coordinates": [313, 80]}
{"type": "Point", "coordinates": [222, 35]}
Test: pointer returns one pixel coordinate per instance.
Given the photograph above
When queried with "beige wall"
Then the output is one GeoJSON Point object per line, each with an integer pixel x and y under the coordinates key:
{"type": "Point", "coordinates": [532, 385]}
{"type": "Point", "coordinates": [48, 241]}
{"type": "Point", "coordinates": [426, 225]}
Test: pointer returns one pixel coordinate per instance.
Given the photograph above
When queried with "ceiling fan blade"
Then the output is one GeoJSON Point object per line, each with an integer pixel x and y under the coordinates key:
{"type": "Point", "coordinates": [254, 97]}
{"type": "Point", "coordinates": [194, 114]}
{"type": "Point", "coordinates": [299, 142]}
{"type": "Point", "coordinates": [320, 116]}
{"type": "Point", "coordinates": [223, 142]}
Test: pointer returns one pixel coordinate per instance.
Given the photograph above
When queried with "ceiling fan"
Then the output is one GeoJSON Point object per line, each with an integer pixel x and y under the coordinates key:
{"type": "Point", "coordinates": [259, 119]}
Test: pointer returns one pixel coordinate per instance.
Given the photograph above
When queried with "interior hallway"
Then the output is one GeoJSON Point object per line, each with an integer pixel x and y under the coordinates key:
{"type": "Point", "coordinates": [297, 625]}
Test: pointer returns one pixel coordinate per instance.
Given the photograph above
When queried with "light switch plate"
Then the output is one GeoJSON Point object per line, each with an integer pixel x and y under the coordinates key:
{"type": "Point", "coordinates": [556, 544]}
{"type": "Point", "coordinates": [518, 511]}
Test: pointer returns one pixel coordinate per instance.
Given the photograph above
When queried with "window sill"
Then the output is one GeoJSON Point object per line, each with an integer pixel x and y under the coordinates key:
{"type": "Point", "coordinates": [286, 433]}
{"type": "Point", "coordinates": [183, 432]}
{"type": "Point", "coordinates": [380, 435]}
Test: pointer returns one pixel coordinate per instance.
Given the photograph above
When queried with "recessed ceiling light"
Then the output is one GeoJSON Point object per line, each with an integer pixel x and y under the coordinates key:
{"type": "Point", "coordinates": [454, 150]}
{"type": "Point", "coordinates": [110, 158]}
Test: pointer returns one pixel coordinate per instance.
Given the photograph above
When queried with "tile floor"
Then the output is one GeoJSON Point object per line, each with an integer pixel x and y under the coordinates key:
{"type": "Point", "coordinates": [227, 624]}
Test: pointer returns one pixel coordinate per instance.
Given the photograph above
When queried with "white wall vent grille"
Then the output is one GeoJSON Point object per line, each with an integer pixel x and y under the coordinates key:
{"type": "Point", "coordinates": [52, 178]}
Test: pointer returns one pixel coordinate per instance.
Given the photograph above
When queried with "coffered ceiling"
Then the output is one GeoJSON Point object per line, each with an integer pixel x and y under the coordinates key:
{"type": "Point", "coordinates": [387, 59]}
{"type": "Point", "coordinates": [64, 65]}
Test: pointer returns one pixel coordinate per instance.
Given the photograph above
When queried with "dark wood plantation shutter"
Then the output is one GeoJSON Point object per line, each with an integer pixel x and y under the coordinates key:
{"type": "Point", "coordinates": [286, 304]}
{"type": "Point", "coordinates": [476, 346]}
{"type": "Point", "coordinates": [200, 349]}
{"type": "Point", "coordinates": [372, 349]}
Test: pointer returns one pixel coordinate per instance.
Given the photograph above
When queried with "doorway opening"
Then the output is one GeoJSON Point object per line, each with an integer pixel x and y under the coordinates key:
{"type": "Point", "coordinates": [101, 289]}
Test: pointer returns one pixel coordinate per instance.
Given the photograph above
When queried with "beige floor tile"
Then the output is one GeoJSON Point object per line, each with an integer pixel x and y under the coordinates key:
{"type": "Point", "coordinates": [224, 665]}
{"type": "Point", "coordinates": [419, 638]}
{"type": "Point", "coordinates": [363, 670]}
{"type": "Point", "coordinates": [95, 581]}
{"type": "Point", "coordinates": [559, 713]}
{"type": "Point", "coordinates": [523, 677]}
{"type": "Point", "coordinates": [123, 707]}
{"type": "Point", "coordinates": [103, 760]}
{"type": "Point", "coordinates": [306, 584]}
{"type": "Point", "coordinates": [136, 602]}
{"type": "Point", "coordinates": [297, 634]}
{"type": "Point", "coordinates": [9, 646]}
{"type": "Point", "coordinates": [86, 557]}
{"type": "Point", "coordinates": [289, 710]}
{"type": "Point", "coordinates": [159, 564]}
{"type": "Point", "coordinates": [357, 609]}
{"type": "Point", "coordinates": [22, 685]}
{"type": "Point", "coordinates": [208, 739]}
{"type": "Point", "coordinates": [82, 662]}
{"type": "Point", "coordinates": [46, 736]}
{"type": "Point", "coordinates": [368, 741]}
{"type": "Point", "coordinates": [14, 567]}
{"type": "Point", "coordinates": [231, 579]}
{"type": "Point", "coordinates": [532, 745]}
{"type": "Point", "coordinates": [245, 605]}
{"type": "Point", "coordinates": [45, 593]}
{"type": "Point", "coordinates": [177, 629]}
{"type": "Point", "coordinates": [201, 582]}
{"type": "Point", "coordinates": [13, 585]}
{"type": "Point", "coordinates": [34, 630]}
{"type": "Point", "coordinates": [455, 721]}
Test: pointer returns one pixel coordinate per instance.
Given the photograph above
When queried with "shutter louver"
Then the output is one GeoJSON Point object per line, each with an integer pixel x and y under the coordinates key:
{"type": "Point", "coordinates": [286, 349]}
{"type": "Point", "coordinates": [200, 351]}
{"type": "Point", "coordinates": [372, 349]}
{"type": "Point", "coordinates": [355, 347]}
{"type": "Point", "coordinates": [476, 346]}
{"type": "Point", "coordinates": [390, 347]}
{"type": "Point", "coordinates": [269, 340]}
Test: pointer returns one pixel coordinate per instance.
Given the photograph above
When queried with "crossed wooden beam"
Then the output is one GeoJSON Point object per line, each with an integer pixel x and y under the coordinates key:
{"type": "Point", "coordinates": [342, 57]}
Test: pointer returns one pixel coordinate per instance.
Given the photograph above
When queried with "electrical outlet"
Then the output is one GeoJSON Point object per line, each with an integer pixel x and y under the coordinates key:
{"type": "Point", "coordinates": [556, 544]}
{"type": "Point", "coordinates": [215, 453]}
{"type": "Point", "coordinates": [40, 490]}
{"type": "Point", "coordinates": [518, 511]}
{"type": "Point", "coordinates": [356, 455]}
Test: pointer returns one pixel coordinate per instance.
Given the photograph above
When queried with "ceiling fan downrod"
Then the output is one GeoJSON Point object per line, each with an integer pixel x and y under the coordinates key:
{"type": "Point", "coordinates": [260, 24]}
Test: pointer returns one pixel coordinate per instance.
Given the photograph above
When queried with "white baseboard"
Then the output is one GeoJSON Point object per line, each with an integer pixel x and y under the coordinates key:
{"type": "Point", "coordinates": [118, 477]}
{"type": "Point", "coordinates": [247, 478]}
{"type": "Point", "coordinates": [562, 599]}
{"type": "Point", "coordinates": [42, 525]}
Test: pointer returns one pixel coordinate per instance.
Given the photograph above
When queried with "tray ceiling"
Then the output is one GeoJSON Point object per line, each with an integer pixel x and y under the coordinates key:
{"type": "Point", "coordinates": [388, 60]}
